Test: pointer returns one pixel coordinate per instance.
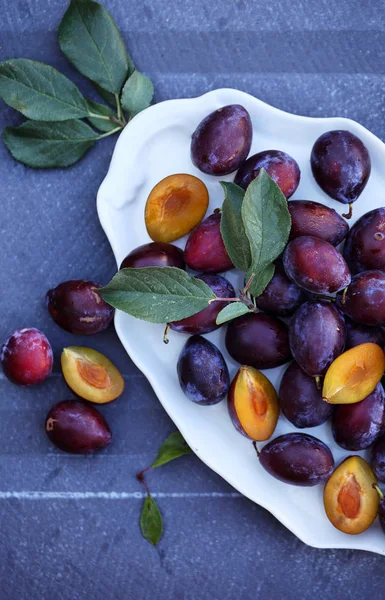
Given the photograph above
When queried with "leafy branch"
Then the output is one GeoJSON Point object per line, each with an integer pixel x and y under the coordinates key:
{"type": "Point", "coordinates": [56, 134]}
{"type": "Point", "coordinates": [151, 524]}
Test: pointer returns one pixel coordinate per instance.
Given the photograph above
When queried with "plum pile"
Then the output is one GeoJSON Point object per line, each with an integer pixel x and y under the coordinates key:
{"type": "Point", "coordinates": [321, 315]}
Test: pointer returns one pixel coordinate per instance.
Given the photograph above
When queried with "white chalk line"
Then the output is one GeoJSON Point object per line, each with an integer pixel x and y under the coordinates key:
{"type": "Point", "coordinates": [31, 495]}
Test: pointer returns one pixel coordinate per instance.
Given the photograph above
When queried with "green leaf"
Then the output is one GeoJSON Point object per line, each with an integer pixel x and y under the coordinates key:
{"type": "Point", "coordinates": [173, 447]}
{"type": "Point", "coordinates": [232, 228]}
{"type": "Point", "coordinates": [104, 111]}
{"type": "Point", "coordinates": [137, 93]}
{"type": "Point", "coordinates": [151, 524]}
{"type": "Point", "coordinates": [49, 145]}
{"type": "Point", "coordinates": [232, 311]}
{"type": "Point", "coordinates": [157, 294]}
{"type": "Point", "coordinates": [89, 38]}
{"type": "Point", "coordinates": [266, 219]}
{"type": "Point", "coordinates": [107, 96]}
{"type": "Point", "coordinates": [261, 279]}
{"type": "Point", "coordinates": [39, 91]}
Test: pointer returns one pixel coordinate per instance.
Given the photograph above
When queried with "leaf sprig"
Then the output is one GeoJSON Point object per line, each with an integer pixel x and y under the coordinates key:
{"type": "Point", "coordinates": [151, 523]}
{"type": "Point", "coordinates": [255, 227]}
{"type": "Point", "coordinates": [56, 134]}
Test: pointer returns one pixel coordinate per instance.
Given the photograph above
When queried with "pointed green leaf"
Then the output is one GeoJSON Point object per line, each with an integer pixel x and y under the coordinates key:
{"type": "Point", "coordinates": [104, 111]}
{"type": "Point", "coordinates": [89, 38]}
{"type": "Point", "coordinates": [151, 524]}
{"type": "Point", "coordinates": [232, 311]}
{"type": "Point", "coordinates": [157, 294]}
{"type": "Point", "coordinates": [137, 93]}
{"type": "Point", "coordinates": [232, 228]}
{"type": "Point", "coordinates": [39, 91]}
{"type": "Point", "coordinates": [266, 219]}
{"type": "Point", "coordinates": [49, 145]}
{"type": "Point", "coordinates": [262, 277]}
{"type": "Point", "coordinates": [173, 447]}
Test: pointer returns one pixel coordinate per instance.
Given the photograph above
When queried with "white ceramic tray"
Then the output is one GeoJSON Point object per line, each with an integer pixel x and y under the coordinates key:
{"type": "Point", "coordinates": [156, 143]}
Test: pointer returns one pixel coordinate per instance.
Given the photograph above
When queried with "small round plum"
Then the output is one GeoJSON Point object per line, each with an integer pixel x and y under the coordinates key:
{"type": "Point", "coordinates": [27, 357]}
{"type": "Point", "coordinates": [378, 458]}
{"type": "Point", "coordinates": [222, 141]}
{"type": "Point", "coordinates": [281, 167]}
{"type": "Point", "coordinates": [77, 307]}
{"type": "Point", "coordinates": [155, 254]}
{"type": "Point", "coordinates": [77, 427]}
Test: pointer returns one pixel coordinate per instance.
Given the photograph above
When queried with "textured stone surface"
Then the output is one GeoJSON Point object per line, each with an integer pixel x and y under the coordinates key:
{"type": "Point", "coordinates": [315, 57]}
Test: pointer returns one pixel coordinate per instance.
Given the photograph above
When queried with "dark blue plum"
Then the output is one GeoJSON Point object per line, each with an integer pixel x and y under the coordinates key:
{"type": "Point", "coordinates": [301, 400]}
{"type": "Point", "coordinates": [202, 371]}
{"type": "Point", "coordinates": [317, 336]}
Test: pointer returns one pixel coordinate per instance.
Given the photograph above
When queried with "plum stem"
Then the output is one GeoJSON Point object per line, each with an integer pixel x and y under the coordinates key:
{"type": "Point", "coordinates": [344, 295]}
{"type": "Point", "coordinates": [375, 486]}
{"type": "Point", "coordinates": [165, 335]}
{"type": "Point", "coordinates": [349, 214]}
{"type": "Point", "coordinates": [318, 382]}
{"type": "Point", "coordinates": [256, 448]}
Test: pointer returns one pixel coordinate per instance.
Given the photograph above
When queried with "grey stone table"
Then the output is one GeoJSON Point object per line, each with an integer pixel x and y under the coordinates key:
{"type": "Point", "coordinates": [313, 57]}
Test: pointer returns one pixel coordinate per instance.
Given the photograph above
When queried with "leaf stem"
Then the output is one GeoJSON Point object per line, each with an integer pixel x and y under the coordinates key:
{"type": "Point", "coordinates": [103, 117]}
{"type": "Point", "coordinates": [140, 478]}
{"type": "Point", "coordinates": [248, 284]}
{"type": "Point", "coordinates": [225, 300]}
{"type": "Point", "coordinates": [119, 108]}
{"type": "Point", "coordinates": [103, 135]}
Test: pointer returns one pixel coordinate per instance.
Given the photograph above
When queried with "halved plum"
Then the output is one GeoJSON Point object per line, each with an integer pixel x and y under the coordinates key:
{"type": "Point", "coordinates": [91, 375]}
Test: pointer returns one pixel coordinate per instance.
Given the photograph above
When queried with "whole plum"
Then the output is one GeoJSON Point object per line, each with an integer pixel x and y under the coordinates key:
{"type": "Point", "coordinates": [222, 141]}
{"type": "Point", "coordinates": [202, 371]}
{"type": "Point", "coordinates": [77, 307]}
{"type": "Point", "coordinates": [155, 254]}
{"type": "Point", "coordinates": [26, 357]}
{"type": "Point", "coordinates": [205, 250]}
{"type": "Point", "coordinates": [281, 296]}
{"type": "Point", "coordinates": [77, 427]}
{"type": "Point", "coordinates": [205, 320]}
{"type": "Point", "coordinates": [298, 459]}
{"type": "Point", "coordinates": [301, 400]}
{"type": "Point", "coordinates": [356, 426]}
{"type": "Point", "coordinates": [357, 334]}
{"type": "Point", "coordinates": [365, 244]}
{"type": "Point", "coordinates": [258, 340]}
{"type": "Point", "coordinates": [341, 165]}
{"type": "Point", "coordinates": [281, 167]}
{"type": "Point", "coordinates": [315, 265]}
{"type": "Point", "coordinates": [318, 220]}
{"type": "Point", "coordinates": [317, 336]}
{"type": "Point", "coordinates": [364, 300]}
